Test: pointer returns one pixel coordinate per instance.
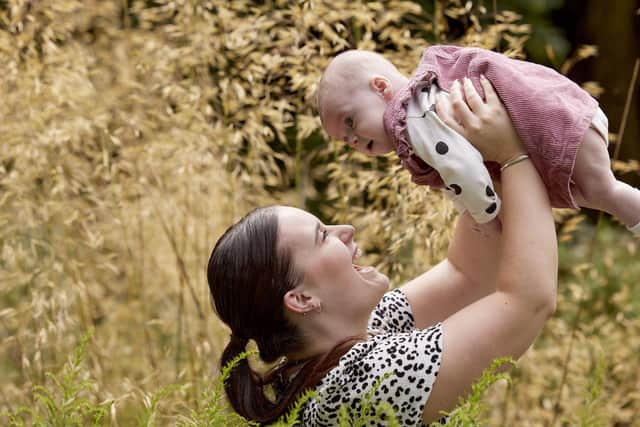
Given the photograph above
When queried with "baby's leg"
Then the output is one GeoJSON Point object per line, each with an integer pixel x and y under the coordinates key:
{"type": "Point", "coordinates": [596, 187]}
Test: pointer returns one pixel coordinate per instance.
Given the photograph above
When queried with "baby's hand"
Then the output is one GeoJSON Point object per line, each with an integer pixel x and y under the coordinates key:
{"type": "Point", "coordinates": [486, 125]}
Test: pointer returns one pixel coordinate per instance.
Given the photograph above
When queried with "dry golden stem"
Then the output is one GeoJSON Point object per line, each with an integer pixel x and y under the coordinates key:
{"type": "Point", "coordinates": [627, 108]}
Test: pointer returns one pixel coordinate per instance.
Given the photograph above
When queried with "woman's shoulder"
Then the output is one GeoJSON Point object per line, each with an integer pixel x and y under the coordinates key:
{"type": "Point", "coordinates": [392, 315]}
{"type": "Point", "coordinates": [395, 369]}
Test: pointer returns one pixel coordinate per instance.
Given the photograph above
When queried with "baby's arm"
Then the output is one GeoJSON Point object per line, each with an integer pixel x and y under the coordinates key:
{"type": "Point", "coordinates": [459, 164]}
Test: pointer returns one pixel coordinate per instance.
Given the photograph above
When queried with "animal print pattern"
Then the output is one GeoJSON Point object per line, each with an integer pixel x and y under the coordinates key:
{"type": "Point", "coordinates": [394, 346]}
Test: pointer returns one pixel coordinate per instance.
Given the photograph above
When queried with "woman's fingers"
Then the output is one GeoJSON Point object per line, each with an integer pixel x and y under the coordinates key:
{"type": "Point", "coordinates": [473, 99]}
{"type": "Point", "coordinates": [445, 113]}
{"type": "Point", "coordinates": [460, 108]}
{"type": "Point", "coordinates": [489, 92]}
{"type": "Point", "coordinates": [486, 125]}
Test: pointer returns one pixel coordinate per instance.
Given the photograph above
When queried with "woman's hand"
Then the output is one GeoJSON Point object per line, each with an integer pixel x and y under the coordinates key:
{"type": "Point", "coordinates": [486, 125]}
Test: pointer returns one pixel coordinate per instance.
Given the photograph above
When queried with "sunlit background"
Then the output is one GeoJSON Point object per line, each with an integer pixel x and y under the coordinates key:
{"type": "Point", "coordinates": [134, 132]}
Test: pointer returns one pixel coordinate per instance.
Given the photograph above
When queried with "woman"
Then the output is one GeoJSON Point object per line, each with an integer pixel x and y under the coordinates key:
{"type": "Point", "coordinates": [289, 282]}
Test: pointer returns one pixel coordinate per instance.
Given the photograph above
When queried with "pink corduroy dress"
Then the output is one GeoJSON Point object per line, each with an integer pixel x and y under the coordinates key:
{"type": "Point", "coordinates": [550, 112]}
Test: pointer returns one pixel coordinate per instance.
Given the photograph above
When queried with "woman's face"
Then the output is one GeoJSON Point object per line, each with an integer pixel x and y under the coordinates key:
{"type": "Point", "coordinates": [325, 256]}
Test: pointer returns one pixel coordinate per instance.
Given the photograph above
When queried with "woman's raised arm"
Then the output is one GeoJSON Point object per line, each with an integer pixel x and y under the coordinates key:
{"type": "Point", "coordinates": [505, 322]}
{"type": "Point", "coordinates": [467, 274]}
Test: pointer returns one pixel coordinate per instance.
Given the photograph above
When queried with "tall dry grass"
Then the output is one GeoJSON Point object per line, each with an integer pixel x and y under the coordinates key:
{"type": "Point", "coordinates": [134, 132]}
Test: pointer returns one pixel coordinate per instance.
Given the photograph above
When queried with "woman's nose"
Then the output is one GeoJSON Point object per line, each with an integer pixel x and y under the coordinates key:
{"type": "Point", "coordinates": [344, 232]}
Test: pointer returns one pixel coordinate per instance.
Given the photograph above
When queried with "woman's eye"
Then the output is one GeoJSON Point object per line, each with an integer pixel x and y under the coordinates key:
{"type": "Point", "coordinates": [370, 145]}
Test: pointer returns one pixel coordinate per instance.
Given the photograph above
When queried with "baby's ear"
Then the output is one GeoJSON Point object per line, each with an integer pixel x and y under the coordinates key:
{"type": "Point", "coordinates": [381, 86]}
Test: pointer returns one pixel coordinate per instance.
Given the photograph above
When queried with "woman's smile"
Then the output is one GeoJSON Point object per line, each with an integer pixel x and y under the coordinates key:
{"type": "Point", "coordinates": [329, 262]}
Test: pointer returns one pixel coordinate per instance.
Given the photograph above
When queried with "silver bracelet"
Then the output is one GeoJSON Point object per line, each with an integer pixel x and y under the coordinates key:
{"type": "Point", "coordinates": [513, 161]}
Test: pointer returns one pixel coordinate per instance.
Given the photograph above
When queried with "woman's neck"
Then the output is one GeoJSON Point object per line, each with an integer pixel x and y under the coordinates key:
{"type": "Point", "coordinates": [322, 333]}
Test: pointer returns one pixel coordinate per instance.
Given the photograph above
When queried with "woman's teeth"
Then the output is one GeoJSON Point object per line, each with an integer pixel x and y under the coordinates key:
{"type": "Point", "coordinates": [360, 269]}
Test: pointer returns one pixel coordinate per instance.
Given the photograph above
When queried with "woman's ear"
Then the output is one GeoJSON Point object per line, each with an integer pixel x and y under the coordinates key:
{"type": "Point", "coordinates": [381, 86]}
{"type": "Point", "coordinates": [299, 301]}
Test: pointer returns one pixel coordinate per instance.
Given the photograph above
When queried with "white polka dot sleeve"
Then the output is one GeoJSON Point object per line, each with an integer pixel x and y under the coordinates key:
{"type": "Point", "coordinates": [409, 358]}
{"type": "Point", "coordinates": [459, 163]}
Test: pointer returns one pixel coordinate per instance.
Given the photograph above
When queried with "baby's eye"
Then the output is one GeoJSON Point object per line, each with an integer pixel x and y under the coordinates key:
{"type": "Point", "coordinates": [325, 233]}
{"type": "Point", "coordinates": [370, 145]}
{"type": "Point", "coordinates": [349, 122]}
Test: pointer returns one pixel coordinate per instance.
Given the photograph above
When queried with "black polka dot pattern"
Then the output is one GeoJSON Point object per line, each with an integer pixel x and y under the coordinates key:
{"type": "Point", "coordinates": [456, 188]}
{"type": "Point", "coordinates": [394, 346]}
{"type": "Point", "coordinates": [490, 192]}
{"type": "Point", "coordinates": [442, 148]}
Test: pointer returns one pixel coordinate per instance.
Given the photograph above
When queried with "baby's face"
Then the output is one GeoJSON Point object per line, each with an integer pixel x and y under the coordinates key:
{"type": "Point", "coordinates": [356, 117]}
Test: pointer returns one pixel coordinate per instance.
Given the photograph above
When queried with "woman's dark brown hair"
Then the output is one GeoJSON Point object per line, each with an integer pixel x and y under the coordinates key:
{"type": "Point", "coordinates": [248, 276]}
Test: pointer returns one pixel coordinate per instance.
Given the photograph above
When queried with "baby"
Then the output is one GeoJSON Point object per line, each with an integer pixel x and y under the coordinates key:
{"type": "Point", "coordinates": [364, 100]}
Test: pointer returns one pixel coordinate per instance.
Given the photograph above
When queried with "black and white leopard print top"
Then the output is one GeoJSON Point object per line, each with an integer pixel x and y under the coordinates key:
{"type": "Point", "coordinates": [409, 356]}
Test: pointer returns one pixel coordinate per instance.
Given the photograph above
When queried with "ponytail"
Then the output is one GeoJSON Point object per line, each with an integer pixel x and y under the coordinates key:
{"type": "Point", "coordinates": [246, 389]}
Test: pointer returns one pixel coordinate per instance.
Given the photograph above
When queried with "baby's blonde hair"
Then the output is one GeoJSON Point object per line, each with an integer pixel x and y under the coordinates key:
{"type": "Point", "coordinates": [346, 72]}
